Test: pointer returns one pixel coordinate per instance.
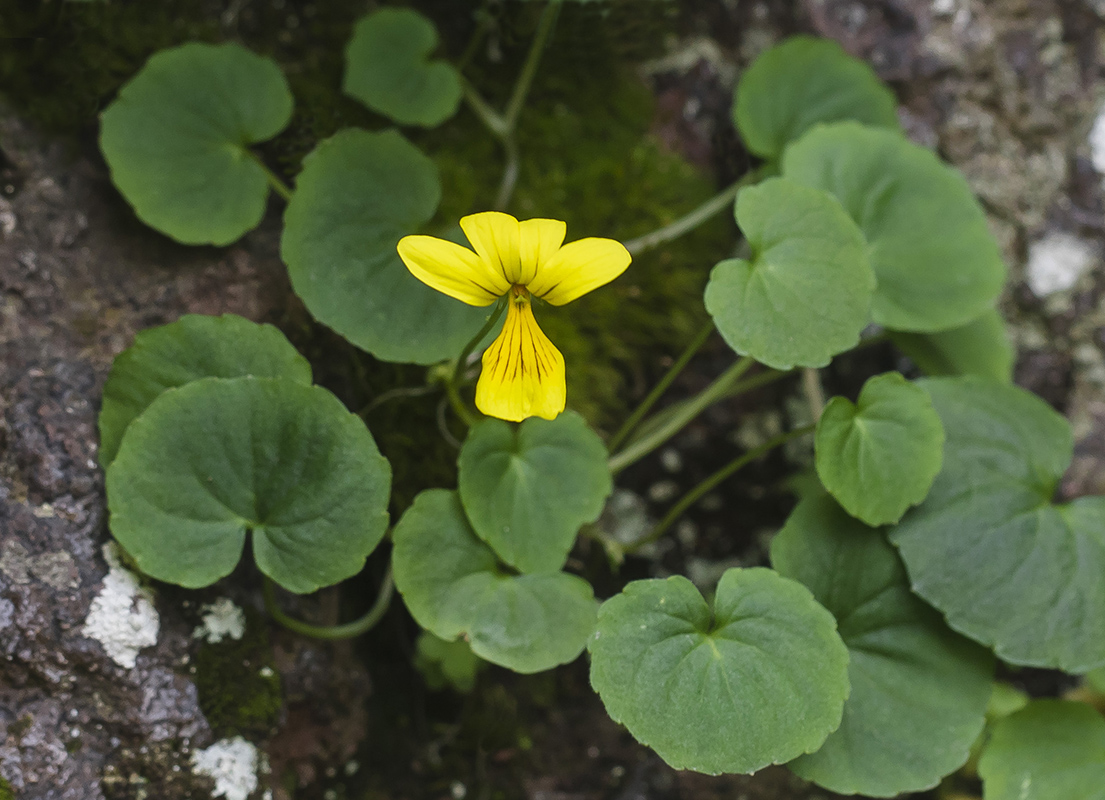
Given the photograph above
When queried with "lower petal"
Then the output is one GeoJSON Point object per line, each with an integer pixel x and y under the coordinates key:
{"type": "Point", "coordinates": [523, 372]}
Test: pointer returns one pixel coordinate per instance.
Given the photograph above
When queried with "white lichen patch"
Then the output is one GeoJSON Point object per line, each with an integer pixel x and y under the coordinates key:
{"type": "Point", "coordinates": [122, 617]}
{"type": "Point", "coordinates": [232, 764]}
{"type": "Point", "coordinates": [220, 620]}
{"type": "Point", "coordinates": [1057, 261]}
{"type": "Point", "coordinates": [1097, 141]}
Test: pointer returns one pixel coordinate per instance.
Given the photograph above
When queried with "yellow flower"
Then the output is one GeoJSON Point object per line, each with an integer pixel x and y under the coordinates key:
{"type": "Point", "coordinates": [523, 373]}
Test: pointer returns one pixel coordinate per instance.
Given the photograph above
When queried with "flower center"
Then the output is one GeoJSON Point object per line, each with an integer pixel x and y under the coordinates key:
{"type": "Point", "coordinates": [519, 294]}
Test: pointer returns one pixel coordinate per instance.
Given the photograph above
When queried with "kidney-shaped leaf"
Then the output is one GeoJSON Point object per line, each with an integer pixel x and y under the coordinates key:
{"type": "Point", "coordinates": [805, 294]}
{"type": "Point", "coordinates": [454, 586]}
{"type": "Point", "coordinates": [981, 347]}
{"type": "Point", "coordinates": [527, 488]}
{"type": "Point", "coordinates": [218, 458]}
{"type": "Point", "coordinates": [801, 82]}
{"type": "Point", "coordinates": [1050, 750]}
{"type": "Point", "coordinates": [759, 680]}
{"type": "Point", "coordinates": [937, 265]}
{"type": "Point", "coordinates": [386, 68]}
{"type": "Point", "coordinates": [879, 456]}
{"type": "Point", "coordinates": [359, 193]}
{"type": "Point", "coordinates": [176, 140]}
{"type": "Point", "coordinates": [919, 691]}
{"type": "Point", "coordinates": [193, 347]}
{"type": "Point", "coordinates": [990, 550]}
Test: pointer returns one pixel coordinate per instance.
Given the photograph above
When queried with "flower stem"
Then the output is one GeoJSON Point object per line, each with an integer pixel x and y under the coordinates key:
{"type": "Point", "coordinates": [452, 385]}
{"type": "Point", "coordinates": [346, 631]}
{"type": "Point", "coordinates": [696, 494]}
{"type": "Point", "coordinates": [529, 68]}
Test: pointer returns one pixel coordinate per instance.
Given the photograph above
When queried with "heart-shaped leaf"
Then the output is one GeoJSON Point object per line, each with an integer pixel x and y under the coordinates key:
{"type": "Point", "coordinates": [879, 456]}
{"type": "Point", "coordinates": [1051, 750]}
{"type": "Point", "coordinates": [193, 347]}
{"type": "Point", "coordinates": [937, 264]}
{"type": "Point", "coordinates": [218, 458]}
{"type": "Point", "coordinates": [759, 680]}
{"type": "Point", "coordinates": [988, 547]}
{"type": "Point", "coordinates": [919, 691]}
{"type": "Point", "coordinates": [527, 488]}
{"type": "Point", "coordinates": [176, 140]}
{"type": "Point", "coordinates": [801, 82]}
{"type": "Point", "coordinates": [386, 68]}
{"type": "Point", "coordinates": [453, 585]}
{"type": "Point", "coordinates": [359, 193]}
{"type": "Point", "coordinates": [805, 294]}
{"type": "Point", "coordinates": [981, 347]}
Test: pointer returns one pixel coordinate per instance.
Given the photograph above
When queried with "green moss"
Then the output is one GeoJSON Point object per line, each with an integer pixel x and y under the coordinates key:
{"type": "Point", "coordinates": [6, 791]}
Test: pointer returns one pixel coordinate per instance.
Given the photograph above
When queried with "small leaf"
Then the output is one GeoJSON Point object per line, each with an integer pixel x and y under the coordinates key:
{"type": "Point", "coordinates": [193, 347]}
{"type": "Point", "coordinates": [527, 488]}
{"type": "Point", "coordinates": [801, 82]}
{"type": "Point", "coordinates": [937, 264]}
{"type": "Point", "coordinates": [759, 680]}
{"type": "Point", "coordinates": [386, 68]}
{"type": "Point", "coordinates": [1052, 750]}
{"type": "Point", "coordinates": [919, 692]}
{"type": "Point", "coordinates": [881, 455]}
{"type": "Point", "coordinates": [176, 140]}
{"type": "Point", "coordinates": [445, 663]}
{"type": "Point", "coordinates": [218, 458]}
{"type": "Point", "coordinates": [981, 347]}
{"type": "Point", "coordinates": [990, 550]}
{"type": "Point", "coordinates": [805, 294]}
{"type": "Point", "coordinates": [359, 193]}
{"type": "Point", "coordinates": [453, 586]}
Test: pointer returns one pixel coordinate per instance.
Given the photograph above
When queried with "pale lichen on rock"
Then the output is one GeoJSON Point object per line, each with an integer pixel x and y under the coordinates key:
{"type": "Point", "coordinates": [232, 764]}
{"type": "Point", "coordinates": [122, 617]}
{"type": "Point", "coordinates": [220, 620]}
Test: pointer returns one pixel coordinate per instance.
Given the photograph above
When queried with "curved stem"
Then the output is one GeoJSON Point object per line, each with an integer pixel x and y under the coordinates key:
{"type": "Point", "coordinates": [346, 631]}
{"type": "Point", "coordinates": [695, 494]}
{"type": "Point", "coordinates": [491, 119]}
{"type": "Point", "coordinates": [661, 387]}
{"type": "Point", "coordinates": [392, 394]}
{"type": "Point", "coordinates": [510, 173]}
{"type": "Point", "coordinates": [277, 184]}
{"type": "Point", "coordinates": [533, 58]}
{"type": "Point", "coordinates": [452, 385]}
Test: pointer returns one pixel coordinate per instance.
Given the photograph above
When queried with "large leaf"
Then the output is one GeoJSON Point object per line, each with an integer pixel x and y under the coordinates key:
{"type": "Point", "coordinates": [527, 488]}
{"type": "Point", "coordinates": [193, 347]}
{"type": "Point", "coordinates": [176, 140]}
{"type": "Point", "coordinates": [1051, 750]}
{"type": "Point", "coordinates": [988, 547]}
{"type": "Point", "coordinates": [386, 68]}
{"type": "Point", "coordinates": [454, 586]}
{"type": "Point", "coordinates": [879, 456]}
{"type": "Point", "coordinates": [358, 194]}
{"type": "Point", "coordinates": [919, 691]}
{"type": "Point", "coordinates": [981, 347]}
{"type": "Point", "coordinates": [801, 82]}
{"type": "Point", "coordinates": [218, 458]}
{"type": "Point", "coordinates": [759, 680]}
{"type": "Point", "coordinates": [805, 293]}
{"type": "Point", "coordinates": [937, 265]}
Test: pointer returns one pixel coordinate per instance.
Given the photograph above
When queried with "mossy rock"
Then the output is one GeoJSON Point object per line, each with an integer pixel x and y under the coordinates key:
{"type": "Point", "coordinates": [6, 791]}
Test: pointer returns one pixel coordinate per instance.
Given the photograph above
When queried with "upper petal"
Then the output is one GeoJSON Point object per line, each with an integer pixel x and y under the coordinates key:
{"type": "Point", "coordinates": [523, 372]}
{"type": "Point", "coordinates": [452, 270]}
{"type": "Point", "coordinates": [538, 241]}
{"type": "Point", "coordinates": [577, 268]}
{"type": "Point", "coordinates": [494, 236]}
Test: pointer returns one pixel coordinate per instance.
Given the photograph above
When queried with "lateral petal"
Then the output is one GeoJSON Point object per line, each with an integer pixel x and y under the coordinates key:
{"type": "Point", "coordinates": [452, 270]}
{"type": "Point", "coordinates": [494, 236]}
{"type": "Point", "coordinates": [577, 268]}
{"type": "Point", "coordinates": [538, 241]}
{"type": "Point", "coordinates": [523, 372]}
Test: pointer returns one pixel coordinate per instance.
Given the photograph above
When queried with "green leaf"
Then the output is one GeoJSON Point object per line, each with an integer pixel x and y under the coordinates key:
{"type": "Point", "coordinates": [919, 692]}
{"type": "Point", "coordinates": [387, 69]}
{"type": "Point", "coordinates": [359, 193]}
{"type": "Point", "coordinates": [445, 663]}
{"type": "Point", "coordinates": [218, 458]}
{"type": "Point", "coordinates": [990, 550]}
{"type": "Point", "coordinates": [1052, 750]}
{"type": "Point", "coordinates": [453, 585]}
{"type": "Point", "coordinates": [981, 347]}
{"type": "Point", "coordinates": [1096, 679]}
{"type": "Point", "coordinates": [801, 82]}
{"type": "Point", "coordinates": [527, 488]}
{"type": "Point", "coordinates": [805, 294]}
{"type": "Point", "coordinates": [193, 347]}
{"type": "Point", "coordinates": [176, 139]}
{"type": "Point", "coordinates": [879, 456]}
{"type": "Point", "coordinates": [937, 265]}
{"type": "Point", "coordinates": [759, 680]}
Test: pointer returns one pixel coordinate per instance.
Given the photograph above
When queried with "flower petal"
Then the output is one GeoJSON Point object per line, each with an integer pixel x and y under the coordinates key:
{"type": "Point", "coordinates": [494, 235]}
{"type": "Point", "coordinates": [538, 241]}
{"type": "Point", "coordinates": [577, 268]}
{"type": "Point", "coordinates": [452, 270]}
{"type": "Point", "coordinates": [523, 373]}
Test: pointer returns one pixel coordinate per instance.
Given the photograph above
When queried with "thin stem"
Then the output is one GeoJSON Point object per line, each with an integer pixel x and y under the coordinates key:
{"type": "Point", "coordinates": [661, 387]}
{"type": "Point", "coordinates": [510, 174]}
{"type": "Point", "coordinates": [346, 631]}
{"type": "Point", "coordinates": [533, 58]}
{"type": "Point", "coordinates": [277, 184]}
{"type": "Point", "coordinates": [645, 444]}
{"type": "Point", "coordinates": [815, 395]}
{"type": "Point", "coordinates": [452, 386]}
{"type": "Point", "coordinates": [695, 494]}
{"type": "Point", "coordinates": [492, 119]}
{"type": "Point", "coordinates": [392, 394]}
